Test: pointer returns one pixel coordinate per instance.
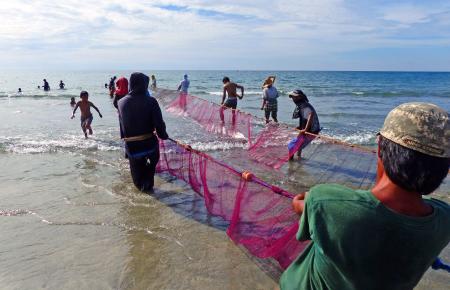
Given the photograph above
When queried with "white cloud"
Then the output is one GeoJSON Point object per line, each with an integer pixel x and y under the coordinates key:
{"type": "Point", "coordinates": [207, 34]}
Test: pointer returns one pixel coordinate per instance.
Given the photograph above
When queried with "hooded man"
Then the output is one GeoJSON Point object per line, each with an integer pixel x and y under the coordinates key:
{"type": "Point", "coordinates": [385, 238]}
{"type": "Point", "coordinates": [121, 90]}
{"type": "Point", "coordinates": [140, 116]}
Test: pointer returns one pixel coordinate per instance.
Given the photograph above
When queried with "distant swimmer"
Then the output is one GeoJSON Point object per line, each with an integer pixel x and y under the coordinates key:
{"type": "Point", "coordinates": [72, 101]}
{"type": "Point", "coordinates": [270, 96]}
{"type": "Point", "coordinates": [229, 91]}
{"type": "Point", "coordinates": [121, 90]}
{"type": "Point", "coordinates": [112, 86]}
{"type": "Point", "coordinates": [46, 85]}
{"type": "Point", "coordinates": [39, 87]}
{"type": "Point", "coordinates": [141, 123]}
{"type": "Point", "coordinates": [61, 85]}
{"type": "Point", "coordinates": [19, 91]}
{"type": "Point", "coordinates": [153, 84]}
{"type": "Point", "coordinates": [86, 115]}
{"type": "Point", "coordinates": [106, 85]}
{"type": "Point", "coordinates": [184, 85]}
{"type": "Point", "coordinates": [308, 119]}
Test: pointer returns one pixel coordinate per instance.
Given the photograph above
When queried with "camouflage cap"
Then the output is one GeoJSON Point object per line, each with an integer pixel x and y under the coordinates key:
{"type": "Point", "coordinates": [421, 127]}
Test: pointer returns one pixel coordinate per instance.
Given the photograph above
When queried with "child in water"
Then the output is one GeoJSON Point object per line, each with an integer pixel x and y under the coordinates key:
{"type": "Point", "coordinates": [72, 101]}
{"type": "Point", "coordinates": [86, 115]}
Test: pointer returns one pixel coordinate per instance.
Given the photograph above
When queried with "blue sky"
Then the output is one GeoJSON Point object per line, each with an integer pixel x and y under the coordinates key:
{"type": "Point", "coordinates": [234, 34]}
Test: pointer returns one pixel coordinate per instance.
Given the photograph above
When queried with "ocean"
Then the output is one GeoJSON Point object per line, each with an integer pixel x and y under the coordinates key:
{"type": "Point", "coordinates": [71, 218]}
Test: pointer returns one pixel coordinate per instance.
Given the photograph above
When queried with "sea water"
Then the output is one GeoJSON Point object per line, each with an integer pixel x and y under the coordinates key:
{"type": "Point", "coordinates": [70, 217]}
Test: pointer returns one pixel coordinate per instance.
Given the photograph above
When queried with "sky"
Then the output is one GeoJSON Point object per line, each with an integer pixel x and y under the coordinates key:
{"type": "Point", "coordinates": [405, 35]}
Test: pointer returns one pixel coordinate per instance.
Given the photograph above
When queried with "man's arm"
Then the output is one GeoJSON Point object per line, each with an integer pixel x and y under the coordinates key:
{"type": "Point", "coordinates": [179, 87]}
{"type": "Point", "coordinates": [224, 95]}
{"type": "Point", "coordinates": [158, 121]}
{"type": "Point", "coordinates": [264, 99]}
{"type": "Point", "coordinates": [93, 106]}
{"type": "Point", "coordinates": [308, 124]}
{"type": "Point", "coordinates": [242, 91]}
{"type": "Point", "coordinates": [298, 203]}
{"type": "Point", "coordinates": [74, 110]}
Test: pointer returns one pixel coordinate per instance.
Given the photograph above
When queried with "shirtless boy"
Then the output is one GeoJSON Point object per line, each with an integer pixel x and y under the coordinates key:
{"type": "Point", "coordinates": [86, 115]}
{"type": "Point", "coordinates": [230, 89]}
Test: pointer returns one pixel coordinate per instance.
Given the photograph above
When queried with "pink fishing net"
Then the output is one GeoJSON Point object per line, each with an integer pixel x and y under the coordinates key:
{"type": "Point", "coordinates": [275, 144]}
{"type": "Point", "coordinates": [259, 214]}
{"type": "Point", "coordinates": [213, 117]}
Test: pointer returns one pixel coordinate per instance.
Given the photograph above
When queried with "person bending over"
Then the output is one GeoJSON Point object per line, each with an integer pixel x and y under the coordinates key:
{"type": "Point", "coordinates": [386, 237]}
{"type": "Point", "coordinates": [308, 120]}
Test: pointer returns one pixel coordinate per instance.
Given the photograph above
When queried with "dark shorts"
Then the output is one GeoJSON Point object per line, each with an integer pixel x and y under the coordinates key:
{"type": "Point", "coordinates": [271, 106]}
{"type": "Point", "coordinates": [86, 121]}
{"type": "Point", "coordinates": [231, 103]}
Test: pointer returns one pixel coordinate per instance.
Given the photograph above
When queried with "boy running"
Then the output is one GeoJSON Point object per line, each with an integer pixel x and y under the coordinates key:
{"type": "Point", "coordinates": [86, 115]}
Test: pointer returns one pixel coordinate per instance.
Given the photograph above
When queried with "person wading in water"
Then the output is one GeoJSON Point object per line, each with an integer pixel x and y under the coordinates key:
{"type": "Point", "coordinates": [139, 117]}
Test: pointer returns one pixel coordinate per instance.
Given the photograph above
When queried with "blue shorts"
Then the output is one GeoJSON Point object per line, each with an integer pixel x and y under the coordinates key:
{"type": "Point", "coordinates": [86, 121]}
{"type": "Point", "coordinates": [231, 103]}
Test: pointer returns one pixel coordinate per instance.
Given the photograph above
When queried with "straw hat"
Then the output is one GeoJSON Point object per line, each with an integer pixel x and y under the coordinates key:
{"type": "Point", "coordinates": [268, 82]}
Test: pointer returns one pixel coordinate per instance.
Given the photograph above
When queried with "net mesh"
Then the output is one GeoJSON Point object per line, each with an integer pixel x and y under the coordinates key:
{"type": "Point", "coordinates": [214, 118]}
{"type": "Point", "coordinates": [271, 145]}
{"type": "Point", "coordinates": [259, 214]}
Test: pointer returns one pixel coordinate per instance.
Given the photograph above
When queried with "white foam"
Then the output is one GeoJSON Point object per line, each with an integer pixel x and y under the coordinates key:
{"type": "Point", "coordinates": [363, 138]}
{"type": "Point", "coordinates": [41, 143]}
{"type": "Point", "coordinates": [245, 93]}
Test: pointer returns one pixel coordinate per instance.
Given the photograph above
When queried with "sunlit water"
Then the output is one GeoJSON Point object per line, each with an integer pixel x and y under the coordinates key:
{"type": "Point", "coordinates": [70, 217]}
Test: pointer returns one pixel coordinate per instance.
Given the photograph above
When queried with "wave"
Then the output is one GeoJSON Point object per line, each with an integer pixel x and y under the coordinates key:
{"type": "Point", "coordinates": [65, 143]}
{"type": "Point", "coordinates": [359, 138]}
{"type": "Point", "coordinates": [217, 145]}
{"type": "Point", "coordinates": [38, 96]}
{"type": "Point", "coordinates": [217, 93]}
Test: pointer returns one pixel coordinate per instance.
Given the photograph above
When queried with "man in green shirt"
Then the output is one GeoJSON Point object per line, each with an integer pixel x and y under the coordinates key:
{"type": "Point", "coordinates": [388, 237]}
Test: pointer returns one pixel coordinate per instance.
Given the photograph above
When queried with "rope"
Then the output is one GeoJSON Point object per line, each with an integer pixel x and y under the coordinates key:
{"type": "Point", "coordinates": [334, 140]}
{"type": "Point", "coordinates": [246, 175]}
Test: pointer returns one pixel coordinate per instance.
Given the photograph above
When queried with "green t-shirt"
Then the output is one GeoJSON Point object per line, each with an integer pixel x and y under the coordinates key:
{"type": "Point", "coordinates": [358, 243]}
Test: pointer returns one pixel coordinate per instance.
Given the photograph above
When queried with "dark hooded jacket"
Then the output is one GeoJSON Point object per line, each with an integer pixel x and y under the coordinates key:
{"type": "Point", "coordinates": [140, 114]}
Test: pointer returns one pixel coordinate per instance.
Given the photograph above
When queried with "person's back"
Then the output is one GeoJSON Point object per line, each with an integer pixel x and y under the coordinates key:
{"type": "Point", "coordinates": [385, 238]}
{"type": "Point", "coordinates": [184, 85]}
{"type": "Point", "coordinates": [361, 244]}
{"type": "Point", "coordinates": [270, 93]}
{"type": "Point", "coordinates": [140, 115]}
{"type": "Point", "coordinates": [46, 85]}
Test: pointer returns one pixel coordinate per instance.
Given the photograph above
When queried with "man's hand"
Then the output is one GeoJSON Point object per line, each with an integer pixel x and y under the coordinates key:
{"type": "Point", "coordinates": [301, 132]}
{"type": "Point", "coordinates": [298, 203]}
{"type": "Point", "coordinates": [73, 116]}
{"type": "Point", "coordinates": [100, 115]}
